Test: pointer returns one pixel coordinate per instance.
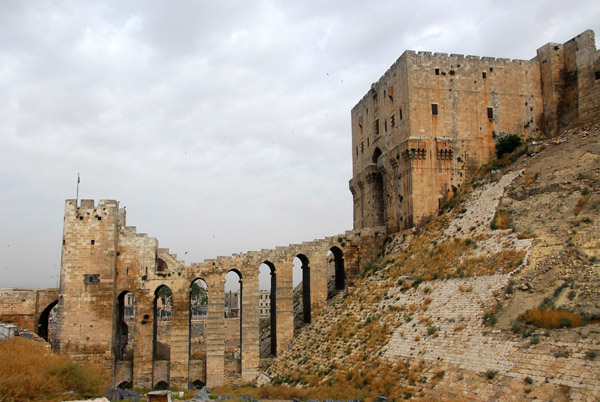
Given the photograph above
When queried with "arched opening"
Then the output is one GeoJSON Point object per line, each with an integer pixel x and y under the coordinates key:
{"type": "Point", "coordinates": [47, 322]}
{"type": "Point", "coordinates": [336, 273]}
{"type": "Point", "coordinates": [125, 326]}
{"type": "Point", "coordinates": [233, 321]}
{"type": "Point", "coordinates": [197, 328]}
{"type": "Point", "coordinates": [376, 154]}
{"type": "Point", "coordinates": [198, 316]}
{"type": "Point", "coordinates": [125, 385]}
{"type": "Point", "coordinates": [161, 386]}
{"type": "Point", "coordinates": [163, 302]}
{"type": "Point", "coordinates": [161, 266]}
{"type": "Point", "coordinates": [267, 310]}
{"type": "Point", "coordinates": [301, 283]}
{"type": "Point", "coordinates": [198, 384]}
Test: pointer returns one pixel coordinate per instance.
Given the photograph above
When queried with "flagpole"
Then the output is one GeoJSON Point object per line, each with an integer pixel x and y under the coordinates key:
{"type": "Point", "coordinates": [77, 197]}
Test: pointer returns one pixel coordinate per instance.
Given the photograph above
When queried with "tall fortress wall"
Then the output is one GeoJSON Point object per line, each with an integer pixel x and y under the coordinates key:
{"type": "Point", "coordinates": [433, 119]}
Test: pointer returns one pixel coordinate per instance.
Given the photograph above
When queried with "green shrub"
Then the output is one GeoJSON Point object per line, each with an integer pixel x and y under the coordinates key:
{"type": "Point", "coordinates": [517, 327]}
{"type": "Point", "coordinates": [591, 354]}
{"type": "Point", "coordinates": [507, 144]}
{"type": "Point", "coordinates": [491, 374]}
{"type": "Point", "coordinates": [490, 319]}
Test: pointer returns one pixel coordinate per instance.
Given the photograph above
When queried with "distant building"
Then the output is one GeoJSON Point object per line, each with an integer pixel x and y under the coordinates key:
{"type": "Point", "coordinates": [264, 304]}
{"type": "Point", "coordinates": [232, 304]}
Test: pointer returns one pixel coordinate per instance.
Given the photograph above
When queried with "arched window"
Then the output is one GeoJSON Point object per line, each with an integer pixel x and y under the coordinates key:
{"type": "Point", "coordinates": [376, 155]}
{"type": "Point", "coordinates": [161, 266]}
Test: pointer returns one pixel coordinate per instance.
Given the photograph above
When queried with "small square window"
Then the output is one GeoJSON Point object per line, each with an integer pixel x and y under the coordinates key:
{"type": "Point", "coordinates": [93, 242]}
{"type": "Point", "coordinates": [490, 113]}
{"type": "Point", "coordinates": [484, 75]}
{"type": "Point", "coordinates": [437, 71]}
{"type": "Point", "coordinates": [434, 109]}
{"type": "Point", "coordinates": [91, 279]}
{"type": "Point", "coordinates": [597, 75]}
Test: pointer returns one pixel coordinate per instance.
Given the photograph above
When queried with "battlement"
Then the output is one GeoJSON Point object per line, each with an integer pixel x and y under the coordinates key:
{"type": "Point", "coordinates": [92, 203]}
{"type": "Point", "coordinates": [456, 61]}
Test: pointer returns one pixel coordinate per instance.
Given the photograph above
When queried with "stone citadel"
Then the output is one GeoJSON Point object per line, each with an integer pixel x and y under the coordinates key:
{"type": "Point", "coordinates": [432, 120]}
{"type": "Point", "coordinates": [428, 124]}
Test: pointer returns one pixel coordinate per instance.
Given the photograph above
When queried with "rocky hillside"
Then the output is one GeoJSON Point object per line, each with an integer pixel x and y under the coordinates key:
{"type": "Point", "coordinates": [497, 298]}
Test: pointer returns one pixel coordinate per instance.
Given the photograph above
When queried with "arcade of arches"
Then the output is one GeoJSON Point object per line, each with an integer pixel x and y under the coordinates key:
{"type": "Point", "coordinates": [165, 323]}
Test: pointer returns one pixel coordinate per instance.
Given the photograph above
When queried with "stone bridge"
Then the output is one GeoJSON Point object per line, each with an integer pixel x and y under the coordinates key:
{"type": "Point", "coordinates": [127, 304]}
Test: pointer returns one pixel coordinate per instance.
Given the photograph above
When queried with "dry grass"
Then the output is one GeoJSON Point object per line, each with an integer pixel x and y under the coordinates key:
{"type": "Point", "coordinates": [363, 381]}
{"type": "Point", "coordinates": [429, 259]}
{"type": "Point", "coordinates": [30, 372]}
{"type": "Point", "coordinates": [525, 235]}
{"type": "Point", "coordinates": [465, 288]}
{"type": "Point", "coordinates": [530, 179]}
{"type": "Point", "coordinates": [552, 318]}
{"type": "Point", "coordinates": [459, 327]}
{"type": "Point", "coordinates": [501, 220]}
{"type": "Point", "coordinates": [581, 203]}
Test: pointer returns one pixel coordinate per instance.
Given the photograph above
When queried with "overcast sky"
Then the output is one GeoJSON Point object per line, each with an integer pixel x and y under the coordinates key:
{"type": "Point", "coordinates": [223, 127]}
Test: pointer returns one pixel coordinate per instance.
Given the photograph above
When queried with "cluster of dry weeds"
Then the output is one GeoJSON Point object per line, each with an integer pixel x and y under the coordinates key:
{"type": "Point", "coordinates": [30, 372]}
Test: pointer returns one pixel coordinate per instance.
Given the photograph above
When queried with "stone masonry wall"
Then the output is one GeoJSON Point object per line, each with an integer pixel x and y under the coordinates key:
{"type": "Point", "coordinates": [456, 310]}
{"type": "Point", "coordinates": [23, 307]}
{"type": "Point", "coordinates": [433, 119]}
{"type": "Point", "coordinates": [86, 302]}
{"type": "Point", "coordinates": [103, 259]}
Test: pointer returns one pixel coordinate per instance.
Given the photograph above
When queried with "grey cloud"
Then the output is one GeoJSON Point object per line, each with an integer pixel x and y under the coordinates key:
{"type": "Point", "coordinates": [224, 119]}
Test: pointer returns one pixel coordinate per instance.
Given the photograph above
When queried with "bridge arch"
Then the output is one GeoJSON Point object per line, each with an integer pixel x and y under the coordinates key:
{"type": "Point", "coordinates": [198, 316]}
{"type": "Point", "coordinates": [339, 270]}
{"type": "Point", "coordinates": [267, 279]}
{"type": "Point", "coordinates": [47, 319]}
{"type": "Point", "coordinates": [161, 385]}
{"type": "Point", "coordinates": [234, 295]}
{"type": "Point", "coordinates": [306, 300]}
{"type": "Point", "coordinates": [125, 326]}
{"type": "Point", "coordinates": [163, 301]}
